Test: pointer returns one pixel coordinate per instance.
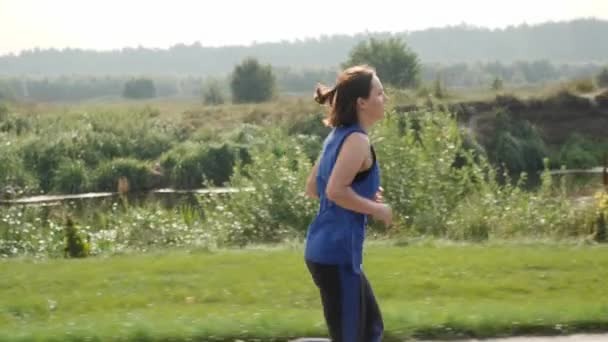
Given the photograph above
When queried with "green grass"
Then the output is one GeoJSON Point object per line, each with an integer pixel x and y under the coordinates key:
{"type": "Point", "coordinates": [432, 290]}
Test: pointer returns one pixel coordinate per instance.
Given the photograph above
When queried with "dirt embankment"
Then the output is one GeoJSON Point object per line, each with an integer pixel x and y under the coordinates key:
{"type": "Point", "coordinates": [557, 116]}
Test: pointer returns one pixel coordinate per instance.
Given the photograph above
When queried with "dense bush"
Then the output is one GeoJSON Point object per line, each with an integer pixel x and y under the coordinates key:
{"type": "Point", "coordinates": [137, 173]}
{"type": "Point", "coordinates": [516, 145]}
{"type": "Point", "coordinates": [70, 177]}
{"type": "Point", "coordinates": [309, 125]}
{"type": "Point", "coordinates": [429, 192]}
{"type": "Point", "coordinates": [274, 207]}
{"type": "Point", "coordinates": [11, 123]}
{"type": "Point", "coordinates": [584, 85]}
{"type": "Point", "coordinates": [15, 178]}
{"type": "Point", "coordinates": [431, 195]}
{"type": "Point", "coordinates": [579, 153]}
{"type": "Point", "coordinates": [566, 99]}
{"type": "Point", "coordinates": [41, 144]}
{"type": "Point", "coordinates": [139, 88]}
{"type": "Point", "coordinates": [43, 157]}
{"type": "Point", "coordinates": [416, 152]}
{"type": "Point", "coordinates": [189, 165]}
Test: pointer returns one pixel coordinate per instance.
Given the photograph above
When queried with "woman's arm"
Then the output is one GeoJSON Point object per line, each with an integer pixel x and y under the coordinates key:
{"type": "Point", "coordinates": [350, 160]}
{"type": "Point", "coordinates": [311, 182]}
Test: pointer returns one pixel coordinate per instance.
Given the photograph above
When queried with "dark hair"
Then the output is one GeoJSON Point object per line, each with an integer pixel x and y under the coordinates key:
{"type": "Point", "coordinates": [351, 84]}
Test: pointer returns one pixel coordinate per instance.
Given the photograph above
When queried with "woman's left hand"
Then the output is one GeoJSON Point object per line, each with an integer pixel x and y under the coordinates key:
{"type": "Point", "coordinates": [379, 198]}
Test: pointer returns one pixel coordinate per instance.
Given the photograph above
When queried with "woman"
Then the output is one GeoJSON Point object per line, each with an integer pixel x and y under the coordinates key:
{"type": "Point", "coordinates": [346, 180]}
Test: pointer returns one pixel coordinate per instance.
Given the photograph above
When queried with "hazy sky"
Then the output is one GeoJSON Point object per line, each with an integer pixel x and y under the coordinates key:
{"type": "Point", "coordinates": [109, 24]}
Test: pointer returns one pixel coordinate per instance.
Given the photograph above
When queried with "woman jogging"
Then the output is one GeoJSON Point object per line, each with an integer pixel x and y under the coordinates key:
{"type": "Point", "coordinates": [346, 180]}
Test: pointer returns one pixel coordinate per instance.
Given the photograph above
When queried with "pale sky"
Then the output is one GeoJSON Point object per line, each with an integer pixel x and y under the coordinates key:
{"type": "Point", "coordinates": [113, 24]}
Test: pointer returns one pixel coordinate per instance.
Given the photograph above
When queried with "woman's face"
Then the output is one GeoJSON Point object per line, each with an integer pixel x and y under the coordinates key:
{"type": "Point", "coordinates": [372, 108]}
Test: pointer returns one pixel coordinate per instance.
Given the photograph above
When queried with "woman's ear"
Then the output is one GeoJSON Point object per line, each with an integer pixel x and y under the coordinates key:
{"type": "Point", "coordinates": [361, 102]}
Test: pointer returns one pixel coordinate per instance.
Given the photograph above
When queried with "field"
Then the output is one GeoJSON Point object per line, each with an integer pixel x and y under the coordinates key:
{"type": "Point", "coordinates": [426, 289]}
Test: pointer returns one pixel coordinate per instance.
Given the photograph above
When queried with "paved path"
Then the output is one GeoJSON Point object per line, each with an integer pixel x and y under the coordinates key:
{"type": "Point", "coordinates": [570, 338]}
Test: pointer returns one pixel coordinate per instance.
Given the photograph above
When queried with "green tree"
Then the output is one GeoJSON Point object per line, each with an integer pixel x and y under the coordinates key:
{"type": "Point", "coordinates": [497, 84]}
{"type": "Point", "coordinates": [5, 91]}
{"type": "Point", "coordinates": [252, 82]}
{"type": "Point", "coordinates": [516, 144]}
{"type": "Point", "coordinates": [602, 78]}
{"type": "Point", "coordinates": [212, 92]}
{"type": "Point", "coordinates": [139, 88]}
{"type": "Point", "coordinates": [4, 113]}
{"type": "Point", "coordinates": [438, 88]}
{"type": "Point", "coordinates": [393, 60]}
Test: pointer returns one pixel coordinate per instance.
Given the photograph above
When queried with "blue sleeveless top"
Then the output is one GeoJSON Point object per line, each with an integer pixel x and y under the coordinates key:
{"type": "Point", "coordinates": [336, 234]}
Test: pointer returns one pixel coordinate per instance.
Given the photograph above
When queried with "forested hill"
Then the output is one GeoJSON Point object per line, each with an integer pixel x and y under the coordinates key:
{"type": "Point", "coordinates": [576, 41]}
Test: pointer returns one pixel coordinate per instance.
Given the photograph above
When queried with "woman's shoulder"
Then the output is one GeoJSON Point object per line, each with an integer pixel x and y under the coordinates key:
{"type": "Point", "coordinates": [357, 140]}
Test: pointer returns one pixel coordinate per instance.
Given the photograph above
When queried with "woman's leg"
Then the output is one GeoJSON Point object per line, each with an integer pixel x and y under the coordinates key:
{"type": "Point", "coordinates": [374, 325]}
{"type": "Point", "coordinates": [350, 308]}
{"type": "Point", "coordinates": [327, 279]}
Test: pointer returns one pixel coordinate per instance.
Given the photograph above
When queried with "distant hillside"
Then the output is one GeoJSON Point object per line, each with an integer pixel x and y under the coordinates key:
{"type": "Point", "coordinates": [578, 41]}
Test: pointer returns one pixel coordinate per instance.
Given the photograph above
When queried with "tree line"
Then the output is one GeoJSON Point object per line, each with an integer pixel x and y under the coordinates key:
{"type": "Point", "coordinates": [291, 81]}
{"type": "Point", "coordinates": [580, 41]}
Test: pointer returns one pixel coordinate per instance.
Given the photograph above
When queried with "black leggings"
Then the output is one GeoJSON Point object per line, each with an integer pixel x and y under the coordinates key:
{"type": "Point", "coordinates": [351, 311]}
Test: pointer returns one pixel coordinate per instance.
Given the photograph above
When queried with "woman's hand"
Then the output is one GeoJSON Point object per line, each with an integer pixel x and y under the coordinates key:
{"type": "Point", "coordinates": [383, 213]}
{"type": "Point", "coordinates": [379, 197]}
{"type": "Point", "coordinates": [311, 182]}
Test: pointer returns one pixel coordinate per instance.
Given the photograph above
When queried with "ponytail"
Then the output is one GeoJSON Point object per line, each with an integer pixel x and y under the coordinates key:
{"type": "Point", "coordinates": [325, 95]}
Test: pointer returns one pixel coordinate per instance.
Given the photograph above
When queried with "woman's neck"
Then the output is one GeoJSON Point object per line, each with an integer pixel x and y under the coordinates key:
{"type": "Point", "coordinates": [365, 125]}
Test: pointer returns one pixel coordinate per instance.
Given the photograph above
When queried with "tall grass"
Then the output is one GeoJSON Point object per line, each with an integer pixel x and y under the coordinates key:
{"type": "Point", "coordinates": [109, 228]}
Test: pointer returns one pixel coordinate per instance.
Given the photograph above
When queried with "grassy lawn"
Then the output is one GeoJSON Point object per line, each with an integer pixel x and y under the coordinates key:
{"type": "Point", "coordinates": [431, 290]}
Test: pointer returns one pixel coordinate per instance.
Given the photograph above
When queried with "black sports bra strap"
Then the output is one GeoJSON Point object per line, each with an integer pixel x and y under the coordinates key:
{"type": "Point", "coordinates": [363, 174]}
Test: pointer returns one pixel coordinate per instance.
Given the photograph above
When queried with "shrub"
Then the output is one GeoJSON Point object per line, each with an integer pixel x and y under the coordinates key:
{"type": "Point", "coordinates": [583, 85]}
{"type": "Point", "coordinates": [578, 153]}
{"type": "Point", "coordinates": [188, 165]}
{"type": "Point", "coordinates": [137, 173]}
{"type": "Point", "coordinates": [75, 244]}
{"type": "Point", "coordinates": [70, 177]}
{"type": "Point", "coordinates": [15, 178]}
{"type": "Point", "coordinates": [139, 88]}
{"type": "Point", "coordinates": [275, 207]}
